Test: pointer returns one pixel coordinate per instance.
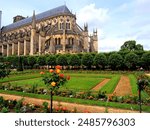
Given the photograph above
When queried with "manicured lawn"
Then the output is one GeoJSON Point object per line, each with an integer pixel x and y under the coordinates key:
{"type": "Point", "coordinates": [133, 83]}
{"type": "Point", "coordinates": [29, 82]}
{"type": "Point", "coordinates": [110, 86]}
{"type": "Point", "coordinates": [20, 77]}
{"type": "Point", "coordinates": [80, 83]}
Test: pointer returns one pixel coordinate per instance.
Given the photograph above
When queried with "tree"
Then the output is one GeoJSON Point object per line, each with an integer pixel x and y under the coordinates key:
{"type": "Point", "coordinates": [139, 47]}
{"type": "Point", "coordinates": [51, 60]}
{"type": "Point", "coordinates": [13, 60]}
{"type": "Point", "coordinates": [146, 60]}
{"type": "Point", "coordinates": [54, 80]}
{"type": "Point", "coordinates": [74, 60]}
{"type": "Point", "coordinates": [131, 46]}
{"type": "Point", "coordinates": [100, 60]}
{"type": "Point", "coordinates": [20, 64]}
{"type": "Point", "coordinates": [41, 60]}
{"type": "Point", "coordinates": [115, 61]}
{"type": "Point", "coordinates": [131, 60]}
{"type": "Point", "coordinates": [31, 61]}
{"type": "Point", "coordinates": [4, 70]}
{"type": "Point", "coordinates": [87, 60]}
{"type": "Point", "coordinates": [25, 61]}
{"type": "Point", "coordinates": [62, 60]}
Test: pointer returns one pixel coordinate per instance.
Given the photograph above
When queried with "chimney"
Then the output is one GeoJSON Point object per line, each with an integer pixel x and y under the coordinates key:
{"type": "Point", "coordinates": [0, 18]}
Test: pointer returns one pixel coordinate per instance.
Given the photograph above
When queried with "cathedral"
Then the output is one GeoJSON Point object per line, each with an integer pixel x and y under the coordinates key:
{"type": "Point", "coordinates": [51, 32]}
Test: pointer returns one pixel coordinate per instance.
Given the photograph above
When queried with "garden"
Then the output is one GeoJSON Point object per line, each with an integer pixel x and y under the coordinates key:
{"type": "Point", "coordinates": [79, 89]}
{"type": "Point", "coordinates": [113, 80]}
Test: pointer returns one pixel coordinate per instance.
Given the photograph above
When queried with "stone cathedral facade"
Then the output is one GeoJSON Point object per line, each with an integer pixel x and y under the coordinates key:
{"type": "Point", "coordinates": [51, 32]}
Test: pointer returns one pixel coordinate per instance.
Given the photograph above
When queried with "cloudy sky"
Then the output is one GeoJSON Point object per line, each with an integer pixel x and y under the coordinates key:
{"type": "Point", "coordinates": [116, 20]}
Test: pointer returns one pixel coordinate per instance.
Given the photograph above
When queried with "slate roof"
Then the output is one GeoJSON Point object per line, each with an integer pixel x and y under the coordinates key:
{"type": "Point", "coordinates": [50, 13]}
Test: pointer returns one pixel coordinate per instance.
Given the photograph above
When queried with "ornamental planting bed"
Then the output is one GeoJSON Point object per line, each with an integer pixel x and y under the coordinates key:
{"type": "Point", "coordinates": [80, 86]}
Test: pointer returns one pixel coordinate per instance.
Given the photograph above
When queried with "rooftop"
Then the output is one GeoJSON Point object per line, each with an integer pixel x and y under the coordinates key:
{"type": "Point", "coordinates": [50, 13]}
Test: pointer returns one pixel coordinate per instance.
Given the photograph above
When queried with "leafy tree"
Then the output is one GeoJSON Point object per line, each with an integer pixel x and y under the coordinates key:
{"type": "Point", "coordinates": [62, 60]}
{"type": "Point", "coordinates": [25, 60]}
{"type": "Point", "coordinates": [4, 70]}
{"type": "Point", "coordinates": [131, 60]}
{"type": "Point", "coordinates": [31, 61]}
{"type": "Point", "coordinates": [131, 46]}
{"type": "Point", "coordinates": [51, 60]}
{"type": "Point", "coordinates": [20, 64]}
{"type": "Point", "coordinates": [115, 61]}
{"type": "Point", "coordinates": [41, 60]}
{"type": "Point", "coordinates": [146, 60]}
{"type": "Point", "coordinates": [74, 60]}
{"type": "Point", "coordinates": [87, 60]}
{"type": "Point", "coordinates": [100, 60]}
{"type": "Point", "coordinates": [13, 60]}
{"type": "Point", "coordinates": [139, 47]}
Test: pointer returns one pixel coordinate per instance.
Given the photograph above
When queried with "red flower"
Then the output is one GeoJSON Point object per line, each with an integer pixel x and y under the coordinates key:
{"type": "Point", "coordinates": [61, 75]}
{"type": "Point", "coordinates": [42, 73]}
{"type": "Point", "coordinates": [64, 108]}
{"type": "Point", "coordinates": [68, 77]}
{"type": "Point", "coordinates": [57, 108]}
{"type": "Point", "coordinates": [51, 70]}
{"type": "Point", "coordinates": [58, 67]}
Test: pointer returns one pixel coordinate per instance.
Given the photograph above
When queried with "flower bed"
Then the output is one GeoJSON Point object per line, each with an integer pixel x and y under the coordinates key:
{"type": "Point", "coordinates": [14, 106]}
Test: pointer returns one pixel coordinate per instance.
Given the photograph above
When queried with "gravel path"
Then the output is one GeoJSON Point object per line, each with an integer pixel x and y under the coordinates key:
{"type": "Point", "coordinates": [101, 84]}
{"type": "Point", "coordinates": [69, 106]}
{"type": "Point", "coordinates": [123, 88]}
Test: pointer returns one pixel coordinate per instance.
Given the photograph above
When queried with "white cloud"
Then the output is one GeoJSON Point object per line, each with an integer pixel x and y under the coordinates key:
{"type": "Point", "coordinates": [112, 43]}
{"type": "Point", "coordinates": [92, 15]}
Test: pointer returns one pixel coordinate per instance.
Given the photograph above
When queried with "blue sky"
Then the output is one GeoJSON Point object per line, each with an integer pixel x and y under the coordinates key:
{"type": "Point", "coordinates": [116, 20]}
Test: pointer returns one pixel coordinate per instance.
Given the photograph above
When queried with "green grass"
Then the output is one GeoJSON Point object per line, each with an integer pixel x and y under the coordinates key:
{"type": "Point", "coordinates": [20, 77]}
{"type": "Point", "coordinates": [82, 83]}
{"type": "Point", "coordinates": [133, 82]}
{"type": "Point", "coordinates": [111, 85]}
{"type": "Point", "coordinates": [75, 83]}
{"type": "Point", "coordinates": [29, 82]}
{"type": "Point", "coordinates": [80, 101]}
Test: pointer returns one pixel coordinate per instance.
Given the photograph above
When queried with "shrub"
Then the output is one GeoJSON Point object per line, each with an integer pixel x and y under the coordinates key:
{"type": "Point", "coordinates": [19, 105]}
{"type": "Point", "coordinates": [5, 110]}
{"type": "Point", "coordinates": [45, 107]}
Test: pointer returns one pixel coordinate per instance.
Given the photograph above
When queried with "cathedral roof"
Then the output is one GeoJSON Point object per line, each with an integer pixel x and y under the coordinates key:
{"type": "Point", "coordinates": [50, 13]}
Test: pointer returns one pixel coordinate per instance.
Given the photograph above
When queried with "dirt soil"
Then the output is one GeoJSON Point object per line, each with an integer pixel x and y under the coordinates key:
{"type": "Point", "coordinates": [101, 84]}
{"type": "Point", "coordinates": [69, 106]}
{"type": "Point", "coordinates": [123, 88]}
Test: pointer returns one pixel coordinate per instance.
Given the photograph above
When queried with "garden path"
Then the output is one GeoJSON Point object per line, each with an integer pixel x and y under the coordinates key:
{"type": "Point", "coordinates": [123, 87]}
{"type": "Point", "coordinates": [148, 74]}
{"type": "Point", "coordinates": [69, 106]}
{"type": "Point", "coordinates": [101, 84]}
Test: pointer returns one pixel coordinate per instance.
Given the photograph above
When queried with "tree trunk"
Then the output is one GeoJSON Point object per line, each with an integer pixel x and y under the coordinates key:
{"type": "Point", "coordinates": [140, 101]}
{"type": "Point", "coordinates": [51, 101]}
